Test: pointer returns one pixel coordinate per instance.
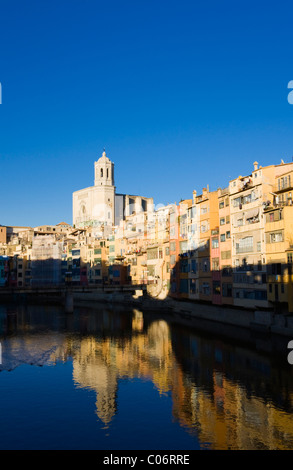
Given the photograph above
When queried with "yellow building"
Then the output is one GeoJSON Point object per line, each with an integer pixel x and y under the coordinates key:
{"type": "Point", "coordinates": [225, 247]}
{"type": "Point", "coordinates": [208, 210]}
{"type": "Point", "coordinates": [248, 197]}
{"type": "Point", "coordinates": [279, 255]}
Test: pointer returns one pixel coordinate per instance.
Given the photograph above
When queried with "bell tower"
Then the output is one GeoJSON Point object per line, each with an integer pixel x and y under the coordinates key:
{"type": "Point", "coordinates": [104, 171]}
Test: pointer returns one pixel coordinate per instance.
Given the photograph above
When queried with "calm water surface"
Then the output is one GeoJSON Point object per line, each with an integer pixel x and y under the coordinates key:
{"type": "Point", "coordinates": [106, 379]}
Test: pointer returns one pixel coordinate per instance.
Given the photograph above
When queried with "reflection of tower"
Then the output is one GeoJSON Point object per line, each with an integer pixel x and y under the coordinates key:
{"type": "Point", "coordinates": [106, 393]}
{"type": "Point", "coordinates": [90, 370]}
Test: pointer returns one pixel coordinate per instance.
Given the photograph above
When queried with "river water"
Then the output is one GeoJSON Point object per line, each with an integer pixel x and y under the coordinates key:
{"type": "Point", "coordinates": [111, 379]}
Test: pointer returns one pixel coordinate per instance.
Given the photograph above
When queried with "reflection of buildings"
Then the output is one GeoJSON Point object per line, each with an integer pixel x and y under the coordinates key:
{"type": "Point", "coordinates": [91, 369]}
{"type": "Point", "coordinates": [227, 396]}
{"type": "Point", "coordinates": [208, 396]}
{"type": "Point", "coordinates": [99, 363]}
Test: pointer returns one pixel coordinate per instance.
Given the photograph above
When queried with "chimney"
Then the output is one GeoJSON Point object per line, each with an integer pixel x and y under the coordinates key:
{"type": "Point", "coordinates": [255, 165]}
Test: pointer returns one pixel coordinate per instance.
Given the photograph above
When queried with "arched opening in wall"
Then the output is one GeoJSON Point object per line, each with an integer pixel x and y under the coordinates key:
{"type": "Point", "coordinates": [101, 172]}
{"type": "Point", "coordinates": [107, 173]}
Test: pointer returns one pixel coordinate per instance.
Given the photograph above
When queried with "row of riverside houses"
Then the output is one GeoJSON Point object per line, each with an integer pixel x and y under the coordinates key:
{"type": "Point", "coordinates": [232, 246]}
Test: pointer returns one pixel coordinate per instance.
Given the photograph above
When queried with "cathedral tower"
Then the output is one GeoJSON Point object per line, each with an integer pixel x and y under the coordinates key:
{"type": "Point", "coordinates": [104, 171]}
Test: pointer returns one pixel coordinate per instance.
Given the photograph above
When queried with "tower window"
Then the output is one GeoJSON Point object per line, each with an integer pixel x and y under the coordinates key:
{"type": "Point", "coordinates": [107, 173]}
{"type": "Point", "coordinates": [101, 172]}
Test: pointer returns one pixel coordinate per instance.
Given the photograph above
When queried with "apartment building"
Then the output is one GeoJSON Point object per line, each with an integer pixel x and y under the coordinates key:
{"type": "Point", "coordinates": [174, 251]}
{"type": "Point", "coordinates": [208, 213]}
{"type": "Point", "coordinates": [184, 247]}
{"type": "Point", "coordinates": [279, 255]}
{"type": "Point", "coordinates": [223, 293]}
{"type": "Point", "coordinates": [46, 260]}
{"type": "Point", "coordinates": [193, 244]}
{"type": "Point", "coordinates": [248, 197]}
{"type": "Point", "coordinates": [279, 244]}
{"type": "Point", "coordinates": [158, 250]}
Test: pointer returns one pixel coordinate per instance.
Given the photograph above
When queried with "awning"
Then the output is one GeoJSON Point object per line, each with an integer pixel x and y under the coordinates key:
{"type": "Point", "coordinates": [252, 213]}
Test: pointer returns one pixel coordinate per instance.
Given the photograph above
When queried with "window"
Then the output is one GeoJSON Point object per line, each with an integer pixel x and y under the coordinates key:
{"type": "Point", "coordinates": [216, 288]}
{"type": "Point", "coordinates": [226, 289]}
{"type": "Point", "coordinates": [226, 254]}
{"type": "Point", "coordinates": [222, 221]}
{"type": "Point", "coordinates": [228, 234]}
{"type": "Point", "coordinates": [183, 247]}
{"type": "Point", "coordinates": [152, 254]}
{"type": "Point", "coordinates": [172, 259]}
{"type": "Point", "coordinates": [215, 243]}
{"type": "Point", "coordinates": [244, 245]}
{"type": "Point", "coordinates": [221, 205]}
{"type": "Point", "coordinates": [204, 227]}
{"type": "Point", "coordinates": [236, 201]}
{"type": "Point", "coordinates": [247, 199]}
{"type": "Point", "coordinates": [205, 288]}
{"type": "Point", "coordinates": [276, 268]}
{"type": "Point", "coordinates": [193, 212]}
{"type": "Point", "coordinates": [184, 286]}
{"type": "Point", "coordinates": [184, 265]}
{"type": "Point", "coordinates": [205, 265]}
{"type": "Point", "coordinates": [75, 252]}
{"type": "Point", "coordinates": [284, 182]}
{"type": "Point", "coordinates": [215, 264]}
{"type": "Point", "coordinates": [223, 237]}
{"type": "Point", "coordinates": [276, 237]}
{"type": "Point", "coordinates": [192, 286]}
{"type": "Point", "coordinates": [193, 266]}
{"type": "Point", "coordinates": [172, 246]}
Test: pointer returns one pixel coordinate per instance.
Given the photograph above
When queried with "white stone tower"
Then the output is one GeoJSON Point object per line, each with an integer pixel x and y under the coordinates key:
{"type": "Point", "coordinates": [104, 171]}
{"type": "Point", "coordinates": [104, 191]}
{"type": "Point", "coordinates": [95, 206]}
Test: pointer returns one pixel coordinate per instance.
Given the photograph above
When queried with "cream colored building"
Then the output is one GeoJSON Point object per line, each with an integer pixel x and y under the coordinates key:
{"type": "Point", "coordinates": [248, 198]}
{"type": "Point", "coordinates": [100, 205]}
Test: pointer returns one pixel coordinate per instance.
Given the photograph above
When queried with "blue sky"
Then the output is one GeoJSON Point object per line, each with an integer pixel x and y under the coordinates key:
{"type": "Point", "coordinates": [181, 95]}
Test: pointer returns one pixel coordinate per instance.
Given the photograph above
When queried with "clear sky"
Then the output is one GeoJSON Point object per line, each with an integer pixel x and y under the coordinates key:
{"type": "Point", "coordinates": [182, 94]}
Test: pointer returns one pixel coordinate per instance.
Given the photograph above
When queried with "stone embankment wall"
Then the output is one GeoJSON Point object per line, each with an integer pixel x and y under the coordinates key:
{"type": "Point", "coordinates": [253, 320]}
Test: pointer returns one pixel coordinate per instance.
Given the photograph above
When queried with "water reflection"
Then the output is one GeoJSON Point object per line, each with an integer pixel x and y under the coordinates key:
{"type": "Point", "coordinates": [225, 394]}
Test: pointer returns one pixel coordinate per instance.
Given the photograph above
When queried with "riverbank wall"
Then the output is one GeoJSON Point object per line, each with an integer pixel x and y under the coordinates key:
{"type": "Point", "coordinates": [266, 322]}
{"type": "Point", "coordinates": [260, 321]}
